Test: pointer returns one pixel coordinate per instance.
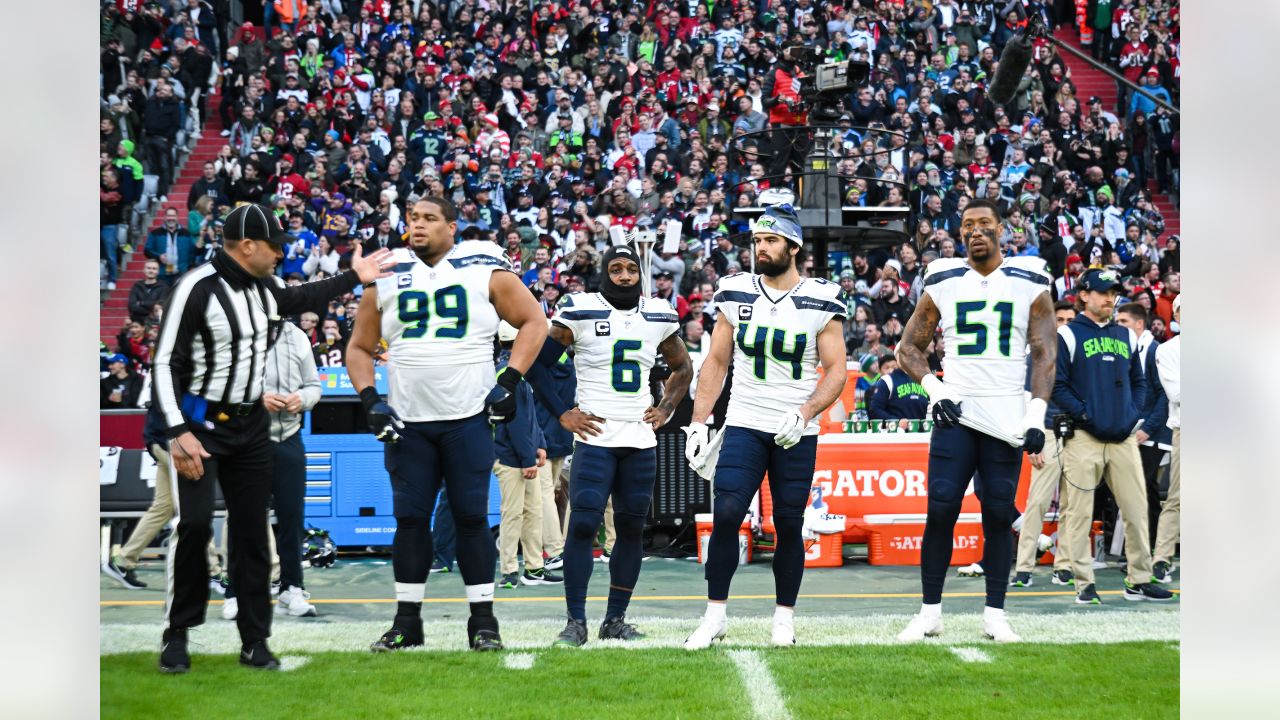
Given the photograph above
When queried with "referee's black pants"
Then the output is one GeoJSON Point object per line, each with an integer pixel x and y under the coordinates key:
{"type": "Point", "coordinates": [242, 463]}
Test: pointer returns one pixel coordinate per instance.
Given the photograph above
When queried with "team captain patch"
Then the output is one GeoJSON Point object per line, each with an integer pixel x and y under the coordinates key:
{"type": "Point", "coordinates": [602, 327]}
{"type": "Point", "coordinates": [744, 312]}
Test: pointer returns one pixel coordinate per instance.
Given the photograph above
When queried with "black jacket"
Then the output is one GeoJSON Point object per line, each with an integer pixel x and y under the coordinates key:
{"type": "Point", "coordinates": [162, 118]}
{"type": "Point", "coordinates": [143, 297]}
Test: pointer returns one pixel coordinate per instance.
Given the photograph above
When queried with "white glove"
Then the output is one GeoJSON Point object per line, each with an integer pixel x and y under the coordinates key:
{"type": "Point", "coordinates": [695, 446]}
{"type": "Point", "coordinates": [790, 430]}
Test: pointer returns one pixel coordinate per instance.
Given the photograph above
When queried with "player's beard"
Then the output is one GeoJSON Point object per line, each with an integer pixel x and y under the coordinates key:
{"type": "Point", "coordinates": [982, 251]}
{"type": "Point", "coordinates": [773, 267]}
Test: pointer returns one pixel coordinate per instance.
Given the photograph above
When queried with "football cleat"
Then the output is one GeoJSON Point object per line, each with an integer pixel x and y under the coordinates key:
{"type": "Point", "coordinates": [230, 608]}
{"type": "Point", "coordinates": [921, 627]}
{"type": "Point", "coordinates": [784, 632]}
{"type": "Point", "coordinates": [173, 651]}
{"type": "Point", "coordinates": [574, 634]}
{"type": "Point", "coordinates": [258, 657]}
{"type": "Point", "coordinates": [619, 629]}
{"type": "Point", "coordinates": [405, 632]}
{"type": "Point", "coordinates": [482, 634]}
{"type": "Point", "coordinates": [974, 570]}
{"type": "Point", "coordinates": [707, 632]}
{"type": "Point", "coordinates": [997, 628]}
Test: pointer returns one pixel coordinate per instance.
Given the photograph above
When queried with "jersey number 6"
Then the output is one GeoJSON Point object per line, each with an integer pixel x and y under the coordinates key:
{"type": "Point", "coordinates": [450, 303]}
{"type": "Point", "coordinates": [626, 373]}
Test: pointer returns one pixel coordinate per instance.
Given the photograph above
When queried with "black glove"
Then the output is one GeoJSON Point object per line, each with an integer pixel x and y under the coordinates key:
{"type": "Point", "coordinates": [1033, 441]}
{"type": "Point", "coordinates": [947, 413]}
{"type": "Point", "coordinates": [384, 423]}
{"type": "Point", "coordinates": [501, 402]}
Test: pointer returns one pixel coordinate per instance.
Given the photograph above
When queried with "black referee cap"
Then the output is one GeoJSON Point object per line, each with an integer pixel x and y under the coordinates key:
{"type": "Point", "coordinates": [254, 222]}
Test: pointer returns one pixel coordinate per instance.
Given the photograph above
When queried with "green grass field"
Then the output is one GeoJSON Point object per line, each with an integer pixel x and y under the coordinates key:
{"type": "Point", "coordinates": [1130, 680]}
{"type": "Point", "coordinates": [1090, 663]}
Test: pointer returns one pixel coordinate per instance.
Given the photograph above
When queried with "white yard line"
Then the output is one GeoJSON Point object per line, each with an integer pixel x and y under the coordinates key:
{"type": "Point", "coordinates": [970, 654]}
{"type": "Point", "coordinates": [766, 700]}
{"type": "Point", "coordinates": [327, 634]}
{"type": "Point", "coordinates": [293, 662]}
{"type": "Point", "coordinates": [518, 661]}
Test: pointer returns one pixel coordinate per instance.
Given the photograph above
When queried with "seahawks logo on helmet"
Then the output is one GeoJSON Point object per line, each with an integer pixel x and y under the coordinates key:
{"type": "Point", "coordinates": [318, 549]}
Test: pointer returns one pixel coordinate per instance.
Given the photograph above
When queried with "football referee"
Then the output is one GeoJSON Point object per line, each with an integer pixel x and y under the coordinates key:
{"type": "Point", "coordinates": [207, 382]}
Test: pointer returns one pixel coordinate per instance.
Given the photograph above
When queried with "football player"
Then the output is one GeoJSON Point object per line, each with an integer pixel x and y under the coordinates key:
{"type": "Point", "coordinates": [777, 327]}
{"type": "Point", "coordinates": [991, 308]}
{"type": "Point", "coordinates": [615, 336]}
{"type": "Point", "coordinates": [439, 313]}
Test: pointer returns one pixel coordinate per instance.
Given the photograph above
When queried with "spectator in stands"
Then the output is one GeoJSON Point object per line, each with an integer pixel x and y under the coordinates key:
{"type": "Point", "coordinates": [111, 216]}
{"type": "Point", "coordinates": [172, 246]}
{"type": "Point", "coordinates": [210, 185]}
{"type": "Point", "coordinates": [145, 293]}
{"type": "Point", "coordinates": [122, 387]}
{"type": "Point", "coordinates": [161, 122]}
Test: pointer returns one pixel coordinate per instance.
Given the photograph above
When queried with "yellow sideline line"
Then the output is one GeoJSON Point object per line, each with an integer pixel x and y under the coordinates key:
{"type": "Point", "coordinates": [635, 598]}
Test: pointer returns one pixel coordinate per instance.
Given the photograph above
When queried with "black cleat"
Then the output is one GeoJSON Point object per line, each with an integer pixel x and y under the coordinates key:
{"type": "Point", "coordinates": [258, 657]}
{"type": "Point", "coordinates": [1146, 591]}
{"type": "Point", "coordinates": [619, 629]}
{"type": "Point", "coordinates": [405, 632]}
{"type": "Point", "coordinates": [482, 634]}
{"type": "Point", "coordinates": [1022, 579]}
{"type": "Point", "coordinates": [126, 578]}
{"type": "Point", "coordinates": [574, 634]}
{"type": "Point", "coordinates": [1088, 595]}
{"type": "Point", "coordinates": [173, 651]}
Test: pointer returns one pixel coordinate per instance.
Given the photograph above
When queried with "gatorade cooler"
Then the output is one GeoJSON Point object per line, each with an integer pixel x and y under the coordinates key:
{"type": "Point", "coordinates": [826, 551]}
{"type": "Point", "coordinates": [703, 522]}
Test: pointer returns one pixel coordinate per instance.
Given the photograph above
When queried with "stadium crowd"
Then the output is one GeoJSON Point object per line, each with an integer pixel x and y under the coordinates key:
{"type": "Point", "coordinates": [548, 127]}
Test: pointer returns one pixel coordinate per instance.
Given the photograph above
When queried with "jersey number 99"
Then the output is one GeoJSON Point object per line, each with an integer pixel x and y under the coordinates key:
{"type": "Point", "coordinates": [778, 349]}
{"type": "Point", "coordinates": [450, 303]}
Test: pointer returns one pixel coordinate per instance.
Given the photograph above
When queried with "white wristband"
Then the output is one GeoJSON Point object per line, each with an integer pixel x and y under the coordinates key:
{"type": "Point", "coordinates": [933, 386]}
{"type": "Point", "coordinates": [1036, 410]}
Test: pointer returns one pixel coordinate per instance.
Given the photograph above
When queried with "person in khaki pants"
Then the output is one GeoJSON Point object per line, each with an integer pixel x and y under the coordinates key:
{"type": "Point", "coordinates": [1100, 384]}
{"type": "Point", "coordinates": [1046, 477]}
{"type": "Point", "coordinates": [121, 566]}
{"type": "Point", "coordinates": [1169, 362]}
{"type": "Point", "coordinates": [521, 451]}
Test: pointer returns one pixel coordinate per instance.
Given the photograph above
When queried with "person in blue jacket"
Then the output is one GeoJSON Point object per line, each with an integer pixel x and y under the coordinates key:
{"type": "Point", "coordinates": [1101, 386]}
{"type": "Point", "coordinates": [1154, 438]}
{"type": "Point", "coordinates": [564, 384]}
{"type": "Point", "coordinates": [521, 451]}
{"type": "Point", "coordinates": [895, 396]}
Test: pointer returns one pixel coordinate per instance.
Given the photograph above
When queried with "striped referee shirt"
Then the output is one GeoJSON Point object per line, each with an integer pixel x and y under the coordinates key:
{"type": "Point", "coordinates": [216, 332]}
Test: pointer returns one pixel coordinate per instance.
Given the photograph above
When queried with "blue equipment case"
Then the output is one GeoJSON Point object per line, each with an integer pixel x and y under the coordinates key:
{"type": "Point", "coordinates": [348, 490]}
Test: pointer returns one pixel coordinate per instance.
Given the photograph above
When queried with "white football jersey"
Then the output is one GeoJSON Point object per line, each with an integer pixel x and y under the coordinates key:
{"type": "Point", "coordinates": [984, 325]}
{"type": "Point", "coordinates": [439, 325]}
{"type": "Point", "coordinates": [775, 346]}
{"type": "Point", "coordinates": [613, 352]}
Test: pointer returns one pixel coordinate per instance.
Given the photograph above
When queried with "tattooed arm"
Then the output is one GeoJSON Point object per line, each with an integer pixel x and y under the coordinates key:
{"type": "Point", "coordinates": [916, 337]}
{"type": "Point", "coordinates": [1042, 334]}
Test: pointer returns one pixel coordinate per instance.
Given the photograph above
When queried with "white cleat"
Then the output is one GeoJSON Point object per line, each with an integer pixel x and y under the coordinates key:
{"type": "Point", "coordinates": [784, 633]}
{"type": "Point", "coordinates": [921, 627]}
{"type": "Point", "coordinates": [998, 629]}
{"type": "Point", "coordinates": [974, 570]}
{"type": "Point", "coordinates": [708, 631]}
{"type": "Point", "coordinates": [229, 609]}
{"type": "Point", "coordinates": [293, 602]}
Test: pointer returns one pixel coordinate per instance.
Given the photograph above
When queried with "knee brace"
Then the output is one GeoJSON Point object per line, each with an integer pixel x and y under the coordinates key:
{"type": "Point", "coordinates": [945, 510]}
{"type": "Point", "coordinates": [998, 517]}
{"type": "Point", "coordinates": [583, 524]}
{"type": "Point", "coordinates": [628, 526]}
{"type": "Point", "coordinates": [729, 513]}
